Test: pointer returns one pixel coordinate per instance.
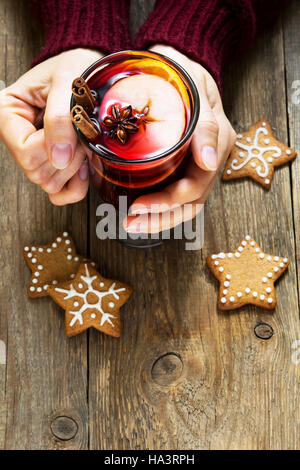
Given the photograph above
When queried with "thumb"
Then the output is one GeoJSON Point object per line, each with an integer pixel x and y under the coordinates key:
{"type": "Point", "coordinates": [60, 137]}
{"type": "Point", "coordinates": [205, 139]}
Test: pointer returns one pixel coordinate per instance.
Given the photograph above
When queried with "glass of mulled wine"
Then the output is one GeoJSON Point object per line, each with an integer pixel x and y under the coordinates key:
{"type": "Point", "coordinates": [146, 109]}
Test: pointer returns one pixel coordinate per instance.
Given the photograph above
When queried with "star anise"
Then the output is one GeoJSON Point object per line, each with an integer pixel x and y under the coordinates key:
{"type": "Point", "coordinates": [121, 123]}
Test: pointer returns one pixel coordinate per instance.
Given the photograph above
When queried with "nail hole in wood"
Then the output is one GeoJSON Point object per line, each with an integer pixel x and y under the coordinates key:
{"type": "Point", "coordinates": [263, 330]}
{"type": "Point", "coordinates": [167, 369]}
{"type": "Point", "coordinates": [64, 428]}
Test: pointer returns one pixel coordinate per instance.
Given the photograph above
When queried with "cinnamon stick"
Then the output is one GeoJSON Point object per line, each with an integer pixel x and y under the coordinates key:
{"type": "Point", "coordinates": [81, 120]}
{"type": "Point", "coordinates": [83, 95]}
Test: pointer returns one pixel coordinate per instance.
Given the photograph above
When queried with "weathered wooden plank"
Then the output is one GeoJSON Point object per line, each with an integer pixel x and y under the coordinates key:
{"type": "Point", "coordinates": [184, 375]}
{"type": "Point", "coordinates": [46, 373]}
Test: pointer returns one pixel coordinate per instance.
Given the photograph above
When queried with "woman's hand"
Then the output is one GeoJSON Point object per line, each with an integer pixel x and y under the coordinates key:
{"type": "Point", "coordinates": [212, 142]}
{"type": "Point", "coordinates": [51, 157]}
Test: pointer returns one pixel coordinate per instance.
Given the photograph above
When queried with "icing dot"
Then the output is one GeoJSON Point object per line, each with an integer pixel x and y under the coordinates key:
{"type": "Point", "coordinates": [65, 234]}
{"type": "Point", "coordinates": [270, 300]}
{"type": "Point", "coordinates": [33, 248]}
{"type": "Point", "coordinates": [80, 286]}
{"type": "Point", "coordinates": [267, 141]}
{"type": "Point", "coordinates": [33, 260]}
{"type": "Point", "coordinates": [49, 250]}
{"type": "Point", "coordinates": [225, 291]}
{"type": "Point", "coordinates": [226, 284]}
{"type": "Point", "coordinates": [229, 255]}
{"type": "Point", "coordinates": [264, 279]}
{"type": "Point", "coordinates": [247, 290]}
{"type": "Point", "coordinates": [267, 181]}
{"type": "Point", "coordinates": [237, 255]}
{"type": "Point", "coordinates": [223, 300]}
{"type": "Point", "coordinates": [216, 263]}
{"type": "Point", "coordinates": [93, 315]}
{"type": "Point", "coordinates": [255, 294]}
{"type": "Point", "coordinates": [69, 257]}
{"type": "Point", "coordinates": [257, 250]}
{"type": "Point", "coordinates": [228, 172]}
{"type": "Point", "coordinates": [247, 237]}
{"type": "Point", "coordinates": [72, 276]}
{"type": "Point", "coordinates": [270, 159]}
{"type": "Point", "coordinates": [69, 250]}
{"type": "Point", "coordinates": [36, 273]}
{"type": "Point", "coordinates": [40, 267]}
{"type": "Point", "coordinates": [29, 255]}
{"type": "Point", "coordinates": [248, 139]}
{"type": "Point", "coordinates": [288, 152]}
{"type": "Point", "coordinates": [76, 258]}
{"type": "Point", "coordinates": [54, 245]}
{"type": "Point", "coordinates": [232, 299]}
{"type": "Point", "coordinates": [269, 258]}
{"type": "Point", "coordinates": [41, 250]}
{"type": "Point", "coordinates": [54, 282]}
{"type": "Point", "coordinates": [213, 256]}
{"type": "Point", "coordinates": [111, 304]}
{"type": "Point", "coordinates": [239, 294]}
{"type": "Point", "coordinates": [222, 255]}
{"type": "Point", "coordinates": [26, 248]}
{"type": "Point", "coordinates": [244, 243]}
{"type": "Point", "coordinates": [39, 289]}
{"type": "Point", "coordinates": [32, 289]}
{"type": "Point", "coordinates": [276, 269]}
{"type": "Point", "coordinates": [276, 258]}
{"type": "Point", "coordinates": [239, 136]}
{"type": "Point", "coordinates": [252, 243]}
{"type": "Point", "coordinates": [262, 297]}
{"type": "Point", "coordinates": [240, 248]}
{"type": "Point", "coordinates": [241, 154]}
{"type": "Point", "coordinates": [269, 274]}
{"type": "Point", "coordinates": [281, 265]}
{"type": "Point", "coordinates": [261, 255]}
{"type": "Point", "coordinates": [264, 124]}
{"type": "Point", "coordinates": [76, 304]}
{"type": "Point", "coordinates": [45, 287]}
{"type": "Point", "coordinates": [268, 290]}
{"type": "Point", "coordinates": [34, 281]}
{"type": "Point", "coordinates": [221, 269]}
{"type": "Point", "coordinates": [285, 260]}
{"type": "Point", "coordinates": [68, 242]}
{"type": "Point", "coordinates": [58, 239]}
{"type": "Point", "coordinates": [228, 276]}
{"type": "Point", "coordinates": [93, 264]}
{"type": "Point", "coordinates": [101, 284]}
{"type": "Point", "coordinates": [253, 164]}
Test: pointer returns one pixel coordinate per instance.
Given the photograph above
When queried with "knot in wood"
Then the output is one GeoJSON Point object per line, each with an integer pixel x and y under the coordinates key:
{"type": "Point", "coordinates": [167, 369]}
{"type": "Point", "coordinates": [64, 428]}
{"type": "Point", "coordinates": [263, 330]}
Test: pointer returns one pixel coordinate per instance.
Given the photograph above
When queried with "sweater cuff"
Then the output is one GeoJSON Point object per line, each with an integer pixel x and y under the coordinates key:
{"type": "Point", "coordinates": [205, 31]}
{"type": "Point", "coordinates": [96, 24]}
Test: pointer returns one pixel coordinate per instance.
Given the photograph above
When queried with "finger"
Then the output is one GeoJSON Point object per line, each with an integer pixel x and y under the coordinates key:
{"type": "Point", "coordinates": [61, 177]}
{"type": "Point", "coordinates": [75, 190]}
{"type": "Point", "coordinates": [155, 223]}
{"type": "Point", "coordinates": [60, 137]}
{"type": "Point", "coordinates": [205, 138]}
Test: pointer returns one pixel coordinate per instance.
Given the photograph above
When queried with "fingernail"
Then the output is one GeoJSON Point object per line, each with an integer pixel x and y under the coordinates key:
{"type": "Point", "coordinates": [133, 211]}
{"type": "Point", "coordinates": [83, 172]}
{"type": "Point", "coordinates": [136, 228]}
{"type": "Point", "coordinates": [61, 155]}
{"type": "Point", "coordinates": [210, 158]}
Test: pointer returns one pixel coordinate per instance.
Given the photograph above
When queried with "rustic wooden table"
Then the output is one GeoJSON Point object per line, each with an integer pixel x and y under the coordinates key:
{"type": "Point", "coordinates": [183, 375]}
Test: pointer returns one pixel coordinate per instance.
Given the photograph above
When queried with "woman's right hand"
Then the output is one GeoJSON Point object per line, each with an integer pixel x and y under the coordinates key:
{"type": "Point", "coordinates": [52, 156]}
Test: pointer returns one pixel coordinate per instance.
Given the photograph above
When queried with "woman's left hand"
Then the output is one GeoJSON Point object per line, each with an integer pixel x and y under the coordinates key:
{"type": "Point", "coordinates": [211, 144]}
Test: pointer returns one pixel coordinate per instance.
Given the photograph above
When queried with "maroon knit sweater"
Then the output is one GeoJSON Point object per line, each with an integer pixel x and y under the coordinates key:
{"type": "Point", "coordinates": [211, 32]}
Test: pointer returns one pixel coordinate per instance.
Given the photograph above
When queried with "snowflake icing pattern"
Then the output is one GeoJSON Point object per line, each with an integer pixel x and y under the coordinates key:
{"type": "Point", "coordinates": [77, 315]}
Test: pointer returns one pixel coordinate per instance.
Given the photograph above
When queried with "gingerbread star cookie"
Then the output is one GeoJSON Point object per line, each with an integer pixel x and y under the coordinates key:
{"type": "Point", "coordinates": [90, 300]}
{"type": "Point", "coordinates": [256, 153]}
{"type": "Point", "coordinates": [246, 276]}
{"type": "Point", "coordinates": [51, 264]}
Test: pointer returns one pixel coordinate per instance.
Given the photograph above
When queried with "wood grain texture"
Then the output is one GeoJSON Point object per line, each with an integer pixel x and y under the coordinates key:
{"type": "Point", "coordinates": [183, 375]}
{"type": "Point", "coordinates": [46, 374]}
